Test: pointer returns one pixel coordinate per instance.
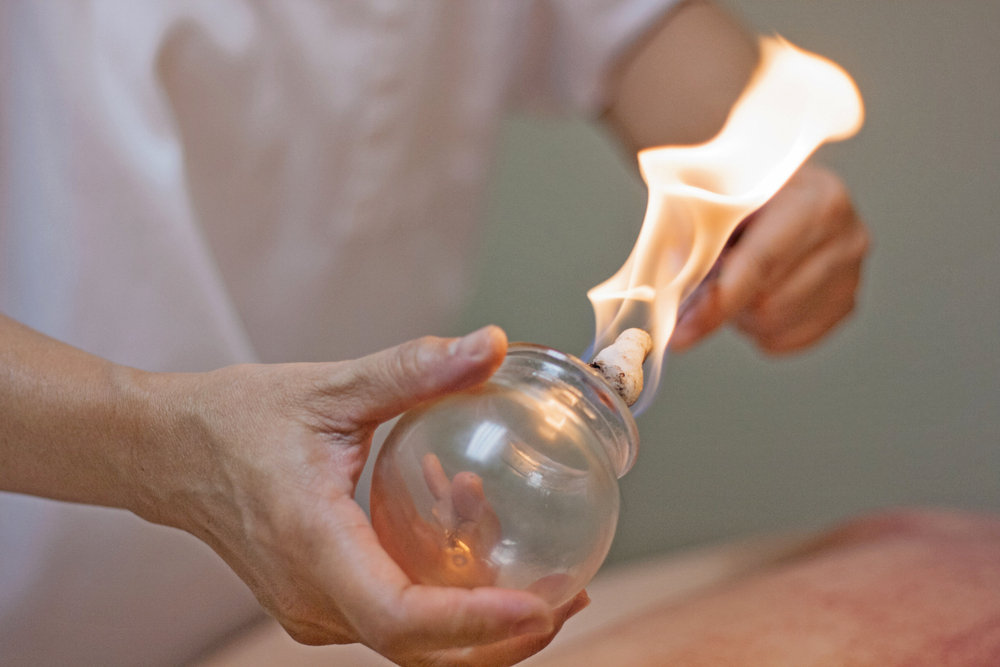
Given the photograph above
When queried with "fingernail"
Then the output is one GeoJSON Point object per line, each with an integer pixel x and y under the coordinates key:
{"type": "Point", "coordinates": [579, 605]}
{"type": "Point", "coordinates": [475, 344]}
{"type": "Point", "coordinates": [531, 626]}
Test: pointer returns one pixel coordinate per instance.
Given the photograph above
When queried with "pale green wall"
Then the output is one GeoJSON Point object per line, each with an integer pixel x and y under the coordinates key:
{"type": "Point", "coordinates": [901, 406]}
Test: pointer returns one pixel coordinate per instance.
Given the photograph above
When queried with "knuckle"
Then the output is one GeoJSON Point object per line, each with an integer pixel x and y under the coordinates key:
{"type": "Point", "coordinates": [832, 199]}
{"type": "Point", "coordinates": [824, 180]}
{"type": "Point", "coordinates": [762, 264]}
{"type": "Point", "coordinates": [767, 318]}
{"type": "Point", "coordinates": [773, 346]}
{"type": "Point", "coordinates": [414, 356]}
{"type": "Point", "coordinates": [747, 323]}
{"type": "Point", "coordinates": [842, 300]}
{"type": "Point", "coordinates": [836, 207]}
{"type": "Point", "coordinates": [406, 361]}
{"type": "Point", "coordinates": [352, 383]}
{"type": "Point", "coordinates": [402, 370]}
{"type": "Point", "coordinates": [762, 320]}
{"type": "Point", "coordinates": [850, 250]}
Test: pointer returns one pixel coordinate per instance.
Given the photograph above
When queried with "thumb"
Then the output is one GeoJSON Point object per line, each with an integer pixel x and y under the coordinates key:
{"type": "Point", "coordinates": [391, 381]}
{"type": "Point", "coordinates": [699, 317]}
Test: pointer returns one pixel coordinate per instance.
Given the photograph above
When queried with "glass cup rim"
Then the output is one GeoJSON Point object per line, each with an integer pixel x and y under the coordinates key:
{"type": "Point", "coordinates": [623, 450]}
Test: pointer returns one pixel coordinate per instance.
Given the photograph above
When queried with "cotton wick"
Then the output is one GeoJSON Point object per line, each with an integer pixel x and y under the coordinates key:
{"type": "Point", "coordinates": [621, 363]}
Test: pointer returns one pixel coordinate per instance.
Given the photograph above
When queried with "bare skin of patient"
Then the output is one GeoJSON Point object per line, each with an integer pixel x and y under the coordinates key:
{"type": "Point", "coordinates": [903, 588]}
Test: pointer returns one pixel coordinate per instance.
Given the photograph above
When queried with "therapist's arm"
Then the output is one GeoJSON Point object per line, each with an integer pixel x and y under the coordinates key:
{"type": "Point", "coordinates": [795, 272]}
{"type": "Point", "coordinates": [261, 463]}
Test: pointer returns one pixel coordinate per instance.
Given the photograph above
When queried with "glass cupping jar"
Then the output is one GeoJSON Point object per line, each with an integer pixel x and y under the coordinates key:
{"type": "Point", "coordinates": [513, 483]}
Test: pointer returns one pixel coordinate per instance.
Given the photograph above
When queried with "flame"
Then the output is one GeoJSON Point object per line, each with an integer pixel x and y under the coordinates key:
{"type": "Point", "coordinates": [698, 195]}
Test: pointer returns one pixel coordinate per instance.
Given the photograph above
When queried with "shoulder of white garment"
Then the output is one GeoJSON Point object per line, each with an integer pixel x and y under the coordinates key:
{"type": "Point", "coordinates": [574, 45]}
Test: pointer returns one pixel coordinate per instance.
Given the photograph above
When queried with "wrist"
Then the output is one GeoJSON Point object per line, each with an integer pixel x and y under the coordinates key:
{"type": "Point", "coordinates": [78, 428]}
{"type": "Point", "coordinates": [180, 470]}
{"type": "Point", "coordinates": [138, 412]}
{"type": "Point", "coordinates": [164, 427]}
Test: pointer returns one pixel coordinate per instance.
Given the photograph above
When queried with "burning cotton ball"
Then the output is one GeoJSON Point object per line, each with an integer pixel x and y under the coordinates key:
{"type": "Point", "coordinates": [621, 363]}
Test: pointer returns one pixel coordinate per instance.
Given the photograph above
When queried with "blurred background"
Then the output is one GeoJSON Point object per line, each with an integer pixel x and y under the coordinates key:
{"type": "Point", "coordinates": [899, 407]}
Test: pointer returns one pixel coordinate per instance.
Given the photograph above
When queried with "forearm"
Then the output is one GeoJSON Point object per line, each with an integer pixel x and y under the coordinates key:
{"type": "Point", "coordinates": [70, 422]}
{"type": "Point", "coordinates": [677, 84]}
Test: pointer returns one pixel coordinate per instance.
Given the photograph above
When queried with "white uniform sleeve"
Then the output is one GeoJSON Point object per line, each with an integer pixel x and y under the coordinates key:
{"type": "Point", "coordinates": [570, 49]}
